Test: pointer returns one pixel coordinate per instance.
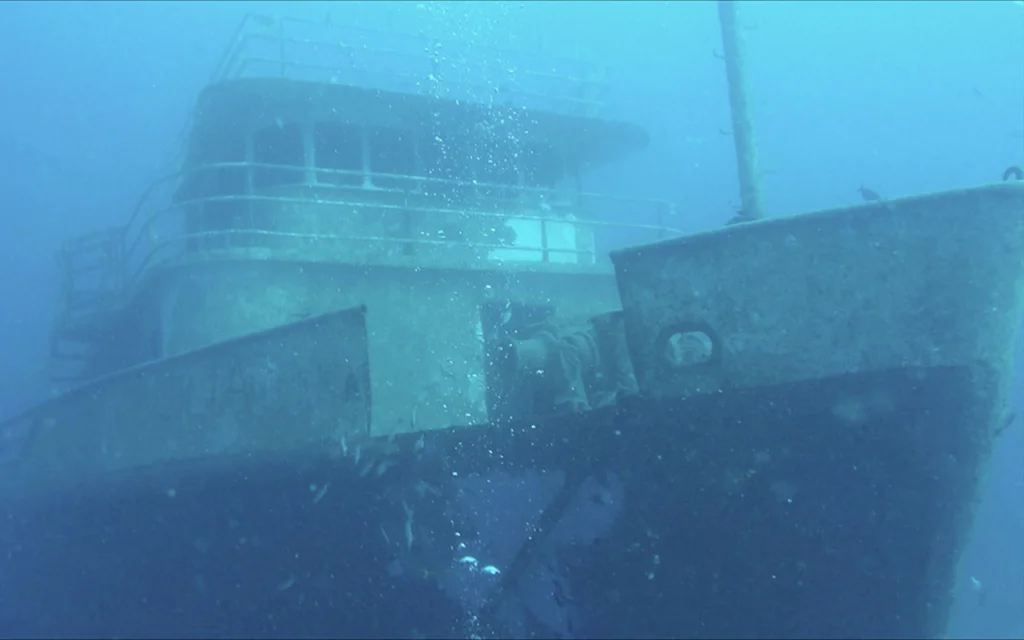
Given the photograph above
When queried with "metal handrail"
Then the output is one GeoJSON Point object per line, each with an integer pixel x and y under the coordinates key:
{"type": "Point", "coordinates": [378, 206]}
{"type": "Point", "coordinates": [231, 48]}
{"type": "Point", "coordinates": [241, 233]}
{"type": "Point", "coordinates": [585, 85]}
{"type": "Point", "coordinates": [431, 180]}
{"type": "Point", "coordinates": [137, 250]}
{"type": "Point", "coordinates": [448, 83]}
{"type": "Point", "coordinates": [231, 70]}
{"type": "Point", "coordinates": [269, 21]}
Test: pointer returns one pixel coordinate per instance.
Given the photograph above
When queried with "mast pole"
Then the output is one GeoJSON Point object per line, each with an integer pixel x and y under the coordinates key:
{"type": "Point", "coordinates": [742, 128]}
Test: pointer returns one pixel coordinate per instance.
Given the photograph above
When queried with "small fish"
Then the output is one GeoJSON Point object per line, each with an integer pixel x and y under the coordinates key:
{"type": "Point", "coordinates": [287, 584]}
{"type": "Point", "coordinates": [1014, 172]}
{"type": "Point", "coordinates": [409, 538]}
{"type": "Point", "coordinates": [559, 594]}
{"type": "Point", "coordinates": [383, 467]}
{"type": "Point", "coordinates": [979, 589]}
{"type": "Point", "coordinates": [869, 195]}
{"type": "Point", "coordinates": [318, 496]}
{"type": "Point", "coordinates": [423, 488]}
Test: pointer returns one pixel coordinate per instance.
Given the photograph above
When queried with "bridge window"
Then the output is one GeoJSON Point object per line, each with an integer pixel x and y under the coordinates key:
{"type": "Point", "coordinates": [496, 169]}
{"type": "Point", "coordinates": [392, 151]}
{"type": "Point", "coordinates": [543, 166]}
{"type": "Point", "coordinates": [447, 159]}
{"type": "Point", "coordinates": [226, 181]}
{"type": "Point", "coordinates": [338, 147]}
{"type": "Point", "coordinates": [209, 180]}
{"type": "Point", "coordinates": [278, 145]}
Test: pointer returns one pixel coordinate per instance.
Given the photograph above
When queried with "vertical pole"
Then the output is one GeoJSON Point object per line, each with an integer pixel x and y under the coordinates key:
{"type": "Point", "coordinates": [742, 129]}
{"type": "Point", "coordinates": [367, 169]}
{"type": "Point", "coordinates": [281, 47]}
{"type": "Point", "coordinates": [309, 151]}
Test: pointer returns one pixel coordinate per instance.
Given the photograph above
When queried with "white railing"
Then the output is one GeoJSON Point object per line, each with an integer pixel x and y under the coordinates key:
{"type": "Point", "coordinates": [166, 227]}
{"type": "Point", "coordinates": [322, 51]}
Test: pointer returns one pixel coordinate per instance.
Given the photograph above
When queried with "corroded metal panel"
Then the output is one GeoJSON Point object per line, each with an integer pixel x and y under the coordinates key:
{"type": "Point", "coordinates": [924, 281]}
{"type": "Point", "coordinates": [750, 513]}
{"type": "Point", "coordinates": [299, 384]}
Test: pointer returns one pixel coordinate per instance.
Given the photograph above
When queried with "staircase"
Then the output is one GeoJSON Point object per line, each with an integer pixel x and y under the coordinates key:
{"type": "Point", "coordinates": [92, 296]}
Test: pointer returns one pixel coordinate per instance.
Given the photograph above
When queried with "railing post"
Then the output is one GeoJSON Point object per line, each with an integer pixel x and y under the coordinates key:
{"type": "Point", "coordinates": [365, 138]}
{"type": "Point", "coordinates": [592, 80]}
{"type": "Point", "coordinates": [309, 151]}
{"type": "Point", "coordinates": [281, 47]}
{"type": "Point", "coordinates": [122, 267]}
{"type": "Point", "coordinates": [236, 39]}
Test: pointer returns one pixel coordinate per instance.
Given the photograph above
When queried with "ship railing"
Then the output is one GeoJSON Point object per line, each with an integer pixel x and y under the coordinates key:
{"type": "Point", "coordinates": [322, 51]}
{"type": "Point", "coordinates": [101, 270]}
{"type": "Point", "coordinates": [158, 231]}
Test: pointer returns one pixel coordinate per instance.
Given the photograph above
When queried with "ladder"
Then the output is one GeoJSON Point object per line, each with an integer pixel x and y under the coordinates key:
{"type": "Point", "coordinates": [91, 298]}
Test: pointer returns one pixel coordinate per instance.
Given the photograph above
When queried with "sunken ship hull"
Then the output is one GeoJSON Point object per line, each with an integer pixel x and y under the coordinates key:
{"type": "Point", "coordinates": [321, 420]}
{"type": "Point", "coordinates": [773, 489]}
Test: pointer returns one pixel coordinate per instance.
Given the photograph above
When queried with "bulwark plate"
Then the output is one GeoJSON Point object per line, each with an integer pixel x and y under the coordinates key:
{"type": "Point", "coordinates": [266, 393]}
{"type": "Point", "coordinates": [925, 281]}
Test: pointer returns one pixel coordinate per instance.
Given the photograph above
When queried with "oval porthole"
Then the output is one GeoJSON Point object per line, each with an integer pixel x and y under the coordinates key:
{"type": "Point", "coordinates": [687, 348]}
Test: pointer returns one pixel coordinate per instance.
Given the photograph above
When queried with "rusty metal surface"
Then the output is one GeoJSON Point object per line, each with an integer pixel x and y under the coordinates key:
{"type": "Point", "coordinates": [925, 281]}
{"type": "Point", "coordinates": [274, 391]}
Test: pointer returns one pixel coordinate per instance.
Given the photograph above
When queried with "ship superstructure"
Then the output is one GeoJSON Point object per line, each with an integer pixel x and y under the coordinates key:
{"type": "Point", "coordinates": [330, 167]}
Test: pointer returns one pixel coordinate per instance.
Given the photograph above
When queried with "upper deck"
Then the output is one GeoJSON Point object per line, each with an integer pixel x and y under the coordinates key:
{"type": "Point", "coordinates": [326, 52]}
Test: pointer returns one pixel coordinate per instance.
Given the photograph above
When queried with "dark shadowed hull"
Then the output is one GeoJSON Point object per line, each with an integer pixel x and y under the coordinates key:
{"type": "Point", "coordinates": [784, 511]}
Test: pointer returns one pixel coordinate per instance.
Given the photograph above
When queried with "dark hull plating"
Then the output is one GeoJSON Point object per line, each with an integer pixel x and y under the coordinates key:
{"type": "Point", "coordinates": [774, 512]}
